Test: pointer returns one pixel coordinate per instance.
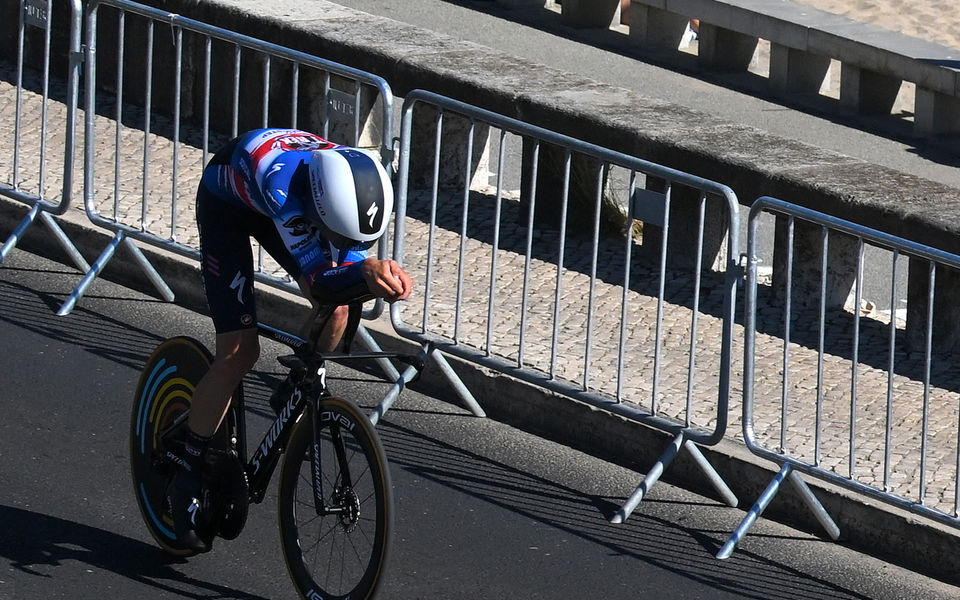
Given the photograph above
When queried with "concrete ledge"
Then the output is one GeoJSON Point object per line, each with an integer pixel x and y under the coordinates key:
{"type": "Point", "coordinates": [869, 527]}
{"type": "Point", "coordinates": [810, 36]}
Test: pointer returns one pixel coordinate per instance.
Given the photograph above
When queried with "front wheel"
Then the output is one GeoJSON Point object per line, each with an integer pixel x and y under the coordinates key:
{"type": "Point", "coordinates": [339, 549]}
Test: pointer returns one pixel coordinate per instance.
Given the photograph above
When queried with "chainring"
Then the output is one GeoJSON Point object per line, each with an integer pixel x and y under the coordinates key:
{"type": "Point", "coordinates": [229, 493]}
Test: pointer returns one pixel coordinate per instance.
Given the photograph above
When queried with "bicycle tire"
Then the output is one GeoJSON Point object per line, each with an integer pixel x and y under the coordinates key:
{"type": "Point", "coordinates": [164, 393]}
{"type": "Point", "coordinates": [354, 564]}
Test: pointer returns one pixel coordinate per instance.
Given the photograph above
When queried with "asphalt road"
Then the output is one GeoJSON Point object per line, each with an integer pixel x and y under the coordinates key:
{"type": "Point", "coordinates": [484, 510]}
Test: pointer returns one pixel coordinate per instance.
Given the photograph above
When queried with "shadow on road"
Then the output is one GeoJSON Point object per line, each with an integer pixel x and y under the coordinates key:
{"type": "Point", "coordinates": [655, 540]}
{"type": "Point", "coordinates": [33, 543]}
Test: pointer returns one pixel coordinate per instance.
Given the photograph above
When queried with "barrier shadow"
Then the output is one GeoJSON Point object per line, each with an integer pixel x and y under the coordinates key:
{"type": "Point", "coordinates": [873, 348]}
{"type": "Point", "coordinates": [577, 249]}
{"type": "Point", "coordinates": [652, 540]}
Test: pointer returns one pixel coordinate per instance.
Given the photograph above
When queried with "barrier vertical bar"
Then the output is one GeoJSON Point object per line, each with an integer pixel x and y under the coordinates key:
{"type": "Point", "coordinates": [528, 251]}
{"type": "Point", "coordinates": [177, 82]}
{"type": "Point", "coordinates": [591, 297]}
{"type": "Point", "coordinates": [558, 276]}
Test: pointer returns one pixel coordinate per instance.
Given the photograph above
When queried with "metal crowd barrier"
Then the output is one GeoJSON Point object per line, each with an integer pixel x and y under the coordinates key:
{"type": "Point", "coordinates": [504, 227]}
{"type": "Point", "coordinates": [176, 83]}
{"type": "Point", "coordinates": [562, 306]}
{"type": "Point", "coordinates": [855, 398]}
{"type": "Point", "coordinates": [35, 160]}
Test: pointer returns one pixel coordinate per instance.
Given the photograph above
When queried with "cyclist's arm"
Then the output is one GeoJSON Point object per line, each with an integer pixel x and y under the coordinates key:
{"type": "Point", "coordinates": [368, 277]}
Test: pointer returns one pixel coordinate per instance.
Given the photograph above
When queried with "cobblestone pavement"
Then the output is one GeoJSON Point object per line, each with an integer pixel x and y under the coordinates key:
{"type": "Point", "coordinates": [882, 425]}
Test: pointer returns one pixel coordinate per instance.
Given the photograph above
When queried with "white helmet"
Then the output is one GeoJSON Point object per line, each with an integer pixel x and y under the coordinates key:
{"type": "Point", "coordinates": [352, 196]}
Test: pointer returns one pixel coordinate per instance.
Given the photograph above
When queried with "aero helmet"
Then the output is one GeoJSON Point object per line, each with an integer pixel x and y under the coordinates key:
{"type": "Point", "coordinates": [352, 197]}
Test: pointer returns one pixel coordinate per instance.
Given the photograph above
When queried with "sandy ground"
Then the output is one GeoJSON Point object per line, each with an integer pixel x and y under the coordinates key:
{"type": "Point", "coordinates": [933, 20]}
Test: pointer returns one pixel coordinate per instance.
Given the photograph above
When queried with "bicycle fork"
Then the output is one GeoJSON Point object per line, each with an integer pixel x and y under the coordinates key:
{"type": "Point", "coordinates": [343, 501]}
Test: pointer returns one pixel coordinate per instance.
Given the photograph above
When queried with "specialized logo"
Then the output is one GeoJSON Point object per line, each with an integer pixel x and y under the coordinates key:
{"type": "Point", "coordinates": [193, 509]}
{"type": "Point", "coordinates": [368, 188]}
{"type": "Point", "coordinates": [372, 213]}
{"type": "Point", "coordinates": [237, 284]}
{"type": "Point", "coordinates": [274, 432]}
{"type": "Point", "coordinates": [276, 167]}
{"type": "Point", "coordinates": [317, 473]}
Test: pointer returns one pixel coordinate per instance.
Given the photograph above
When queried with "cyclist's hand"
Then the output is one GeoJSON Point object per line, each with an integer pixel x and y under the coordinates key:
{"type": "Point", "coordinates": [386, 279]}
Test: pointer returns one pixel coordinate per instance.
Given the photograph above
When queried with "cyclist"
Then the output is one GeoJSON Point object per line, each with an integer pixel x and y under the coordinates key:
{"type": "Point", "coordinates": [315, 207]}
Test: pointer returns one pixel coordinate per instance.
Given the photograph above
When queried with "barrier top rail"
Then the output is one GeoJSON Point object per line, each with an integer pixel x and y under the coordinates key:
{"type": "Point", "coordinates": [877, 237]}
{"type": "Point", "coordinates": [176, 20]}
{"type": "Point", "coordinates": [604, 156]}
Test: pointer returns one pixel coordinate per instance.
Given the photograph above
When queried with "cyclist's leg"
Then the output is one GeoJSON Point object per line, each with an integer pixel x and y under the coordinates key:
{"type": "Point", "coordinates": [227, 269]}
{"type": "Point", "coordinates": [236, 353]}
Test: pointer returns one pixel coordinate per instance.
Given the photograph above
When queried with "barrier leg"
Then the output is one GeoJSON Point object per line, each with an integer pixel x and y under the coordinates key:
{"type": "Point", "coordinates": [755, 511]}
{"type": "Point", "coordinates": [388, 369]}
{"type": "Point", "coordinates": [819, 512]}
{"type": "Point", "coordinates": [65, 242]}
{"type": "Point", "coordinates": [91, 274]}
{"type": "Point", "coordinates": [18, 232]}
{"type": "Point", "coordinates": [726, 494]}
{"type": "Point", "coordinates": [158, 283]}
{"type": "Point", "coordinates": [469, 401]}
{"type": "Point", "coordinates": [653, 475]}
{"type": "Point", "coordinates": [58, 233]}
{"type": "Point", "coordinates": [409, 373]}
{"type": "Point", "coordinates": [406, 377]}
{"type": "Point", "coordinates": [381, 409]}
{"type": "Point", "coordinates": [94, 271]}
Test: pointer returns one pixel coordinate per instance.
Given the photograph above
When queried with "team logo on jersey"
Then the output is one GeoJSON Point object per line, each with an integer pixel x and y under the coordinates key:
{"type": "Point", "coordinates": [298, 225]}
{"type": "Point", "coordinates": [300, 142]}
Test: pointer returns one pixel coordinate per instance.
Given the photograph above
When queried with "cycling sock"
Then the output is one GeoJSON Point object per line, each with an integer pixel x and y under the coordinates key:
{"type": "Point", "coordinates": [195, 446]}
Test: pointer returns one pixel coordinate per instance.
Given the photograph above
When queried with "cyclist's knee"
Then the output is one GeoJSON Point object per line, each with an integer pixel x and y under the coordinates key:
{"type": "Point", "coordinates": [239, 350]}
{"type": "Point", "coordinates": [340, 314]}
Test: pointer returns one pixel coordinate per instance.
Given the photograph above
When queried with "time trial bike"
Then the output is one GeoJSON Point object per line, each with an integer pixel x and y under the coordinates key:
{"type": "Point", "coordinates": [334, 496]}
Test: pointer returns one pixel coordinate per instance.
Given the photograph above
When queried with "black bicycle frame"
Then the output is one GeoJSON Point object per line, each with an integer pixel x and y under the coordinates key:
{"type": "Point", "coordinates": [264, 460]}
{"type": "Point", "coordinates": [266, 456]}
